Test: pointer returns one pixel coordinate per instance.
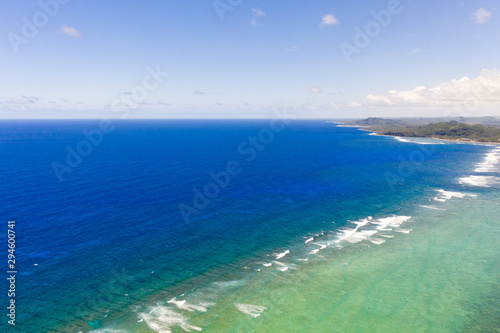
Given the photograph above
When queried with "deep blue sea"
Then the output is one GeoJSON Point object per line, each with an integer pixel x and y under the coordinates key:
{"type": "Point", "coordinates": [165, 206]}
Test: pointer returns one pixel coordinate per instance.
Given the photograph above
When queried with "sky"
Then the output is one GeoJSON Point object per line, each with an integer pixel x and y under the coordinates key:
{"type": "Point", "coordinates": [244, 58]}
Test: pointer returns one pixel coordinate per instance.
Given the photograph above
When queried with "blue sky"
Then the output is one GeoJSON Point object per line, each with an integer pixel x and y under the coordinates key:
{"type": "Point", "coordinates": [241, 58]}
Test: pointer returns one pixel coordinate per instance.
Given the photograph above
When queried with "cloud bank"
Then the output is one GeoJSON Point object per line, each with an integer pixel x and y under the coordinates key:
{"type": "Point", "coordinates": [483, 90]}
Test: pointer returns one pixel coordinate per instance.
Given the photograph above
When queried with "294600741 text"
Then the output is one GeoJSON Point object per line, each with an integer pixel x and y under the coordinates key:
{"type": "Point", "coordinates": [11, 272]}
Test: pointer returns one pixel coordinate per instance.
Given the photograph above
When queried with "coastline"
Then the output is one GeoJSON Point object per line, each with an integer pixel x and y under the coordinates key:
{"type": "Point", "coordinates": [375, 132]}
{"type": "Point", "coordinates": [467, 141]}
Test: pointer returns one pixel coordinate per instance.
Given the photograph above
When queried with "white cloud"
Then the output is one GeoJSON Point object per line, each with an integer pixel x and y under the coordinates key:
{"type": "Point", "coordinates": [483, 90]}
{"type": "Point", "coordinates": [258, 12]}
{"type": "Point", "coordinates": [481, 16]}
{"type": "Point", "coordinates": [69, 31]}
{"type": "Point", "coordinates": [354, 104]}
{"type": "Point", "coordinates": [315, 90]}
{"type": "Point", "coordinates": [329, 19]}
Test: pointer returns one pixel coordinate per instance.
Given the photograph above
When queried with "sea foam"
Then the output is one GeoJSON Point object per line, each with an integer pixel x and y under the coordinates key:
{"type": "Point", "coordinates": [183, 305]}
{"type": "Point", "coordinates": [480, 181]}
{"type": "Point", "coordinates": [250, 309]}
{"type": "Point", "coordinates": [420, 141]}
{"type": "Point", "coordinates": [489, 163]}
{"type": "Point", "coordinates": [432, 207]}
{"type": "Point", "coordinates": [364, 229]}
{"type": "Point", "coordinates": [281, 255]}
{"type": "Point", "coordinates": [377, 241]}
{"type": "Point", "coordinates": [321, 246]}
{"type": "Point", "coordinates": [444, 196]}
{"type": "Point", "coordinates": [164, 319]}
{"type": "Point", "coordinates": [392, 222]}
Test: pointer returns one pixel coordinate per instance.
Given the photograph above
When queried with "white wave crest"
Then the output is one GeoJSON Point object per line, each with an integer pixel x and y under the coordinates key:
{"type": "Point", "coordinates": [432, 207]}
{"type": "Point", "coordinates": [480, 181]}
{"type": "Point", "coordinates": [163, 319]}
{"type": "Point", "coordinates": [377, 241]}
{"type": "Point", "coordinates": [364, 230]}
{"type": "Point", "coordinates": [321, 246]}
{"type": "Point", "coordinates": [444, 196]}
{"type": "Point", "coordinates": [490, 161]}
{"type": "Point", "coordinates": [393, 222]}
{"type": "Point", "coordinates": [250, 309]}
{"type": "Point", "coordinates": [281, 255]}
{"type": "Point", "coordinates": [420, 141]}
{"type": "Point", "coordinates": [183, 305]}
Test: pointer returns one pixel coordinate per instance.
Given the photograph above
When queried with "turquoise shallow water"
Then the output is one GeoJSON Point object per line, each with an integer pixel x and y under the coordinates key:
{"type": "Point", "coordinates": [441, 277]}
{"type": "Point", "coordinates": [436, 272]}
{"type": "Point", "coordinates": [327, 229]}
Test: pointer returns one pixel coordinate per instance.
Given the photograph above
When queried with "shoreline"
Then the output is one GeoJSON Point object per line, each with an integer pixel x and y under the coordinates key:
{"type": "Point", "coordinates": [368, 129]}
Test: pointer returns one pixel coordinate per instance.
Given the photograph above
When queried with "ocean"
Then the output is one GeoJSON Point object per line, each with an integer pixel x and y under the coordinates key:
{"type": "Point", "coordinates": [247, 226]}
